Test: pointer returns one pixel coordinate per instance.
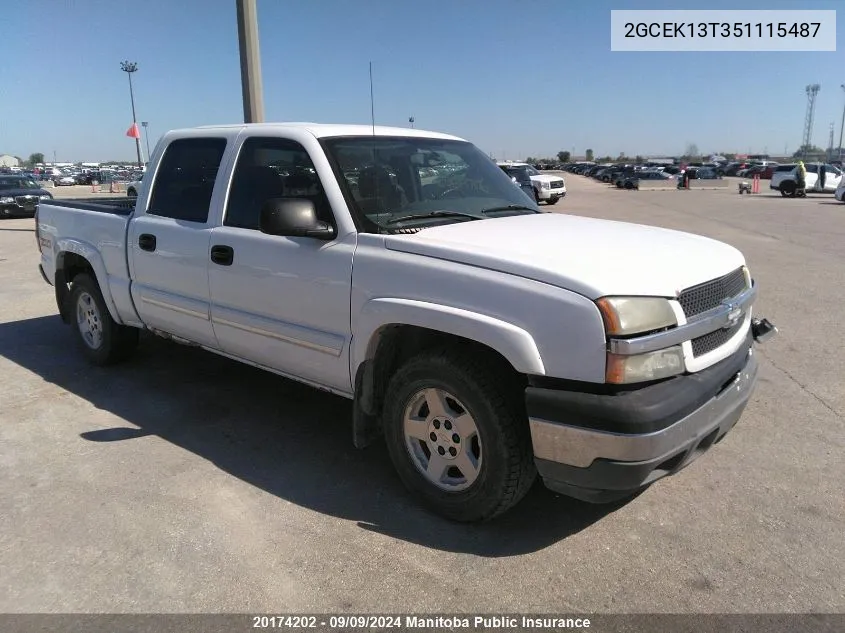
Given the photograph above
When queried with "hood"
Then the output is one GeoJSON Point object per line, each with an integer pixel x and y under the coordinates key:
{"type": "Point", "coordinates": [592, 257]}
{"type": "Point", "coordinates": [14, 193]}
{"type": "Point", "coordinates": [545, 178]}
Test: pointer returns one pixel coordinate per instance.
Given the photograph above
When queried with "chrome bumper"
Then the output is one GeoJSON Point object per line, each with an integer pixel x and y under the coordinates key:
{"type": "Point", "coordinates": [580, 447]}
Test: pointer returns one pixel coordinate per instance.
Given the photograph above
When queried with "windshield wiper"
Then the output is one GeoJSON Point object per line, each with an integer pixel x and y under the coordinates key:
{"type": "Point", "coordinates": [509, 207]}
{"type": "Point", "coordinates": [433, 214]}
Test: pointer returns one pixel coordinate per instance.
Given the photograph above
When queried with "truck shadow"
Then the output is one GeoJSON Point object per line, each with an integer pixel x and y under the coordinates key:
{"type": "Point", "coordinates": [285, 438]}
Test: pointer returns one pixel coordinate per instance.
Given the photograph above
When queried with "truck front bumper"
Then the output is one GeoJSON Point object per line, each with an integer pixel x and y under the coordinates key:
{"type": "Point", "coordinates": [548, 194]}
{"type": "Point", "coordinates": [603, 447]}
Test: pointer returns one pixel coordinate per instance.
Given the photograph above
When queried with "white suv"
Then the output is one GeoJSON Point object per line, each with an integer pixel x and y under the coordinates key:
{"type": "Point", "coordinates": [548, 189]}
{"type": "Point", "coordinates": [784, 179]}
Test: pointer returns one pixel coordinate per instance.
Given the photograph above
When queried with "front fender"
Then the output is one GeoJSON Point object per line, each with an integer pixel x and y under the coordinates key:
{"type": "Point", "coordinates": [93, 257]}
{"type": "Point", "coordinates": [512, 342]}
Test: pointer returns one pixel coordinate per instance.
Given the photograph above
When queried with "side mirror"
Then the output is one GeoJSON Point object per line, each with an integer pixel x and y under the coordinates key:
{"type": "Point", "coordinates": [293, 217]}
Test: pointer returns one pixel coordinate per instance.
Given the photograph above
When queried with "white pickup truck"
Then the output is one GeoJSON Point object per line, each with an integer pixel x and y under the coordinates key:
{"type": "Point", "coordinates": [485, 340]}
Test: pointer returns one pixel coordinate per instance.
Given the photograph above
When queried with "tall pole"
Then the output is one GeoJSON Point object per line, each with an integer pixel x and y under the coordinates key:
{"type": "Point", "coordinates": [145, 125]}
{"type": "Point", "coordinates": [251, 87]}
{"type": "Point", "coordinates": [841, 126]}
{"type": "Point", "coordinates": [129, 68]}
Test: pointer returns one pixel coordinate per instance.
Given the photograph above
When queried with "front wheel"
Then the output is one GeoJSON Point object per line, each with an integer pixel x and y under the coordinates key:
{"type": "Point", "coordinates": [102, 340]}
{"type": "Point", "coordinates": [458, 436]}
{"type": "Point", "coordinates": [552, 200]}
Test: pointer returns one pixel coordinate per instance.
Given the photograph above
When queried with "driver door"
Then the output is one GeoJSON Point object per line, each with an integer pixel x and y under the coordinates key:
{"type": "Point", "coordinates": [281, 302]}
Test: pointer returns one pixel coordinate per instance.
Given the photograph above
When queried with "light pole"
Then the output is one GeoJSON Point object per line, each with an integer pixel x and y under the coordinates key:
{"type": "Point", "coordinates": [145, 125]}
{"type": "Point", "coordinates": [841, 125]}
{"type": "Point", "coordinates": [129, 68]}
{"type": "Point", "coordinates": [411, 121]}
{"type": "Point", "coordinates": [251, 86]}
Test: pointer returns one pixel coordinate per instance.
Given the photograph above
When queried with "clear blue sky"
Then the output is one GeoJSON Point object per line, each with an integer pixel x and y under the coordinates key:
{"type": "Point", "coordinates": [516, 78]}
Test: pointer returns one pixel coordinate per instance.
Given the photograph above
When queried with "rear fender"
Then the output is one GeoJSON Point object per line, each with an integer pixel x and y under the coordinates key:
{"type": "Point", "coordinates": [92, 256]}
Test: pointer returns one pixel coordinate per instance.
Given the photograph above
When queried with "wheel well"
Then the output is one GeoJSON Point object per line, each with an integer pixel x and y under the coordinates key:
{"type": "Point", "coordinates": [69, 266]}
{"type": "Point", "coordinates": [389, 349]}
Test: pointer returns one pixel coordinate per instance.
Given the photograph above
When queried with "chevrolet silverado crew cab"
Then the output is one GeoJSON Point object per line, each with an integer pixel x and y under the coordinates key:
{"type": "Point", "coordinates": [547, 188]}
{"type": "Point", "coordinates": [484, 340]}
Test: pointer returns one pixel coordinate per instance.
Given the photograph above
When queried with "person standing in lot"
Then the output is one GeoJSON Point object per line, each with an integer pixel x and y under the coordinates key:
{"type": "Point", "coordinates": [801, 175]}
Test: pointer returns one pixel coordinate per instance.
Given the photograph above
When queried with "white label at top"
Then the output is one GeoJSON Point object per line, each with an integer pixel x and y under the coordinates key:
{"type": "Point", "coordinates": [718, 30]}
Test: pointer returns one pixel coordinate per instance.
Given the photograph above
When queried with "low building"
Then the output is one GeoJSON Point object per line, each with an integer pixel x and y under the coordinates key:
{"type": "Point", "coordinates": [7, 160]}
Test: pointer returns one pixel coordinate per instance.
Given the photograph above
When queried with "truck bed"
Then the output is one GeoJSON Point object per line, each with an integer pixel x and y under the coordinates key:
{"type": "Point", "coordinates": [95, 230]}
{"type": "Point", "coordinates": [116, 206]}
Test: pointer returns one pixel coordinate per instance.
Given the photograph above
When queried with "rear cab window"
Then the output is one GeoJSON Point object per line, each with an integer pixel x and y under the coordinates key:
{"type": "Point", "coordinates": [184, 180]}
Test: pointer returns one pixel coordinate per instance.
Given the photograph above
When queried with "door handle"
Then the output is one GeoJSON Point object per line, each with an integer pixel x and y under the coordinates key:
{"type": "Point", "coordinates": [147, 242]}
{"type": "Point", "coordinates": [222, 255]}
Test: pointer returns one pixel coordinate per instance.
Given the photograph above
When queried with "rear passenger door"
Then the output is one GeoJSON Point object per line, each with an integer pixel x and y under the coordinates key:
{"type": "Point", "coordinates": [281, 302]}
{"type": "Point", "coordinates": [169, 241]}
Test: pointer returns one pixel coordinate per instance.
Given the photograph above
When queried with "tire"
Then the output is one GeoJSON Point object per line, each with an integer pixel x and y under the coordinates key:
{"type": "Point", "coordinates": [131, 193]}
{"type": "Point", "coordinates": [102, 340]}
{"type": "Point", "coordinates": [787, 189]}
{"type": "Point", "coordinates": [551, 201]}
{"type": "Point", "coordinates": [629, 185]}
{"type": "Point", "coordinates": [481, 410]}
{"type": "Point", "coordinates": [536, 197]}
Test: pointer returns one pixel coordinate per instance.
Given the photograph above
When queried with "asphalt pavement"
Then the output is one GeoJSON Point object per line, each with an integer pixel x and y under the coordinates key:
{"type": "Point", "coordinates": [184, 482]}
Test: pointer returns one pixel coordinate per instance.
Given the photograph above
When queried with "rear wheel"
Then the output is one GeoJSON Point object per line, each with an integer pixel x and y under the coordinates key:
{"type": "Point", "coordinates": [457, 435]}
{"type": "Point", "coordinates": [102, 340]}
{"type": "Point", "coordinates": [787, 189]}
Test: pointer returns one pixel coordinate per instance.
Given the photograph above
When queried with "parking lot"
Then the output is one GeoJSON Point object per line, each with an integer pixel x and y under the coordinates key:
{"type": "Point", "coordinates": [182, 481]}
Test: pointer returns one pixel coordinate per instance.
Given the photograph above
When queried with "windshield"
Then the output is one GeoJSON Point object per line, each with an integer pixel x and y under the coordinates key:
{"type": "Point", "coordinates": [388, 178]}
{"type": "Point", "coordinates": [17, 183]}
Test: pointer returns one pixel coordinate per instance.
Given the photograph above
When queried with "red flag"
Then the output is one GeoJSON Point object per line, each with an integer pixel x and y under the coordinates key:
{"type": "Point", "coordinates": [133, 131]}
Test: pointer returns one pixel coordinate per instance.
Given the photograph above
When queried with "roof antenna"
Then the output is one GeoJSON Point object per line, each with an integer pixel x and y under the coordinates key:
{"type": "Point", "coordinates": [372, 104]}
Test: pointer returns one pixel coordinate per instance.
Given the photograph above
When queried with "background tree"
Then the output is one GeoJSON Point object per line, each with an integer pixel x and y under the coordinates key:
{"type": "Point", "coordinates": [692, 151]}
{"type": "Point", "coordinates": [639, 160]}
{"type": "Point", "coordinates": [564, 156]}
{"type": "Point", "coordinates": [810, 152]}
{"type": "Point", "coordinates": [589, 155]}
{"type": "Point", "coordinates": [36, 158]}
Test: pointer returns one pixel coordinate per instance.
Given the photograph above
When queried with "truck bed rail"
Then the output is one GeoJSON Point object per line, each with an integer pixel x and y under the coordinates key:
{"type": "Point", "coordinates": [116, 206]}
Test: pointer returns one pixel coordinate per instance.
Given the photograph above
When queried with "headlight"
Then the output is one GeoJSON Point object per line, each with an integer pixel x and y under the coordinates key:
{"type": "Point", "coordinates": [626, 316]}
{"type": "Point", "coordinates": [545, 185]}
{"type": "Point", "coordinates": [633, 315]}
{"type": "Point", "coordinates": [46, 196]}
{"type": "Point", "coordinates": [7, 200]}
{"type": "Point", "coordinates": [644, 367]}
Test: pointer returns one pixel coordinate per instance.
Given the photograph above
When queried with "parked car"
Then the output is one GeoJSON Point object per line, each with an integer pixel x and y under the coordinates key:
{"type": "Point", "coordinates": [547, 188]}
{"type": "Point", "coordinates": [633, 181]}
{"type": "Point", "coordinates": [785, 178]}
{"type": "Point", "coordinates": [134, 187]}
{"type": "Point", "coordinates": [518, 173]}
{"type": "Point", "coordinates": [64, 181]}
{"type": "Point", "coordinates": [486, 341]}
{"type": "Point", "coordinates": [20, 195]}
{"type": "Point", "coordinates": [839, 194]}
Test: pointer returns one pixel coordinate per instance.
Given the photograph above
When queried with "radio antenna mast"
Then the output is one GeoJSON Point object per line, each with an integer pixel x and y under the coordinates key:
{"type": "Point", "coordinates": [372, 102]}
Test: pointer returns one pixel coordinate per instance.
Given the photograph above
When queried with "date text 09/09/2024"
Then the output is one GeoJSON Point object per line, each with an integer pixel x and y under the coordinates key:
{"type": "Point", "coordinates": [416, 622]}
{"type": "Point", "coordinates": [721, 29]}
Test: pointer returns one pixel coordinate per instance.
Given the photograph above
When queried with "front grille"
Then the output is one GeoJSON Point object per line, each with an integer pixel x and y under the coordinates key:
{"type": "Point", "coordinates": [711, 294]}
{"type": "Point", "coordinates": [28, 202]}
{"type": "Point", "coordinates": [556, 184]}
{"type": "Point", "coordinates": [713, 340]}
